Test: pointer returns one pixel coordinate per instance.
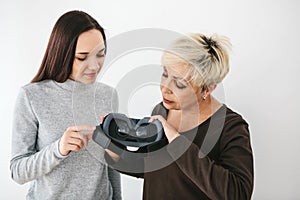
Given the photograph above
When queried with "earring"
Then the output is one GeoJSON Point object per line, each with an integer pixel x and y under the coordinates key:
{"type": "Point", "coordinates": [204, 97]}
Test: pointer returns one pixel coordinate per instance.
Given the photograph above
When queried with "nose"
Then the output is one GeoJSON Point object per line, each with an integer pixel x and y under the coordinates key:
{"type": "Point", "coordinates": [93, 64]}
{"type": "Point", "coordinates": [165, 86]}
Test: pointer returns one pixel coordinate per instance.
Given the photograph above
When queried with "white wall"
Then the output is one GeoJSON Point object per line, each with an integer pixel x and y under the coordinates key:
{"type": "Point", "coordinates": [262, 84]}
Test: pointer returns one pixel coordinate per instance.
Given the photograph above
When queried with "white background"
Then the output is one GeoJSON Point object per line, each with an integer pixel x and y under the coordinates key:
{"type": "Point", "coordinates": [262, 84]}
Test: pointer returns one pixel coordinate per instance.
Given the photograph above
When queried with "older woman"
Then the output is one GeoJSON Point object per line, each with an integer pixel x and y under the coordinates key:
{"type": "Point", "coordinates": [206, 152]}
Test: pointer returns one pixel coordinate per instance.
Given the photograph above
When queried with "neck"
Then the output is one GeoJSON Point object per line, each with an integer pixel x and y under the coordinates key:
{"type": "Point", "coordinates": [193, 116]}
{"type": "Point", "coordinates": [208, 107]}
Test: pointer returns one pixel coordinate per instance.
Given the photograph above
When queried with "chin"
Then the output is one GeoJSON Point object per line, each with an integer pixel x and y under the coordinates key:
{"type": "Point", "coordinates": [92, 80]}
{"type": "Point", "coordinates": [169, 107]}
{"type": "Point", "coordinates": [85, 81]}
{"type": "Point", "coordinates": [88, 80]}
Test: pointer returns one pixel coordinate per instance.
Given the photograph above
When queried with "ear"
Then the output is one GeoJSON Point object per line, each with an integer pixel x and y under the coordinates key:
{"type": "Point", "coordinates": [212, 87]}
{"type": "Point", "coordinates": [209, 90]}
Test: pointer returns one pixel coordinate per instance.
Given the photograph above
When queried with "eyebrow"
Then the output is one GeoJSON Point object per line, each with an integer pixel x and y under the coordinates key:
{"type": "Point", "coordinates": [176, 77]}
{"type": "Point", "coordinates": [181, 79]}
{"type": "Point", "coordinates": [85, 53]}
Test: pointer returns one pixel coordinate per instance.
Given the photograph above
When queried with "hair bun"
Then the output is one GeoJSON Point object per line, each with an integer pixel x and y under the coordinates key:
{"type": "Point", "coordinates": [210, 42]}
{"type": "Point", "coordinates": [211, 45]}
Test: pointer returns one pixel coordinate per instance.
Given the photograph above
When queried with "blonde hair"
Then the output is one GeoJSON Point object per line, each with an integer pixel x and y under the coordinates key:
{"type": "Point", "coordinates": [207, 56]}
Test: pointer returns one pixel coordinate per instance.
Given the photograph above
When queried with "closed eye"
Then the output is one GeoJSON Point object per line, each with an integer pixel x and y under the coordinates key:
{"type": "Point", "coordinates": [80, 59]}
{"type": "Point", "coordinates": [179, 84]}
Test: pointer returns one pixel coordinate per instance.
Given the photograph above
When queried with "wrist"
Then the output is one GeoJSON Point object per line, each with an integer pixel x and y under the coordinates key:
{"type": "Point", "coordinates": [62, 151]}
{"type": "Point", "coordinates": [173, 137]}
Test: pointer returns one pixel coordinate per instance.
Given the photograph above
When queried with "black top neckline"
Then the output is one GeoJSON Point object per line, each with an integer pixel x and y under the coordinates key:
{"type": "Point", "coordinates": [199, 125]}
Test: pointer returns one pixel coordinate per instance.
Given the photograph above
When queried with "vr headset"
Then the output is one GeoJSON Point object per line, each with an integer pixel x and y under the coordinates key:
{"type": "Point", "coordinates": [118, 132]}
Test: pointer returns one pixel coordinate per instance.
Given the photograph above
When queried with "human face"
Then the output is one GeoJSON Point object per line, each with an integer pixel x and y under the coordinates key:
{"type": "Point", "coordinates": [89, 56]}
{"type": "Point", "coordinates": [177, 92]}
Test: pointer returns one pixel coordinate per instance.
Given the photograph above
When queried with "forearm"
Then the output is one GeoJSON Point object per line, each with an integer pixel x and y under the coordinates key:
{"type": "Point", "coordinates": [216, 180]}
{"type": "Point", "coordinates": [29, 166]}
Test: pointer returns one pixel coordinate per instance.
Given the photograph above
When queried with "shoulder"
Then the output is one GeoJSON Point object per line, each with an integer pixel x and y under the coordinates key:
{"type": "Point", "coordinates": [39, 84]}
{"type": "Point", "coordinates": [234, 118]}
{"type": "Point", "coordinates": [104, 87]}
{"type": "Point", "coordinates": [37, 87]}
{"type": "Point", "coordinates": [229, 127]}
{"type": "Point", "coordinates": [107, 96]}
{"type": "Point", "coordinates": [29, 93]}
{"type": "Point", "coordinates": [105, 91]}
{"type": "Point", "coordinates": [235, 128]}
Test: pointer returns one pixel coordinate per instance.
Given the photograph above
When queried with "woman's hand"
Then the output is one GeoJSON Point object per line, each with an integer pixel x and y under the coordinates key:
{"type": "Point", "coordinates": [73, 139]}
{"type": "Point", "coordinates": [170, 131]}
{"type": "Point", "coordinates": [113, 155]}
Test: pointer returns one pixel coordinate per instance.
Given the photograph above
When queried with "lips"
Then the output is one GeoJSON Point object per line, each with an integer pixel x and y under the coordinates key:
{"type": "Point", "coordinates": [167, 101]}
{"type": "Point", "coordinates": [90, 75]}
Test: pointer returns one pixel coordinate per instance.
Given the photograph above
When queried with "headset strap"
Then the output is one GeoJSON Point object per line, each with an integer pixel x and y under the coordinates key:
{"type": "Point", "coordinates": [101, 139]}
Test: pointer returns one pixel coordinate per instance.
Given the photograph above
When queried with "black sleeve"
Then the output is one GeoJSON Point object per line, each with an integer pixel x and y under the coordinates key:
{"type": "Point", "coordinates": [228, 177]}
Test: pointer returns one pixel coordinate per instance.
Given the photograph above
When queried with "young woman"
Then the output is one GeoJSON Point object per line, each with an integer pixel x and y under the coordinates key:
{"type": "Point", "coordinates": [49, 145]}
{"type": "Point", "coordinates": [206, 152]}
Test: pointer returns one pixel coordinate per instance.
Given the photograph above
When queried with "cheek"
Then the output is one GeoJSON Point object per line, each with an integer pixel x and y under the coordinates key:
{"type": "Point", "coordinates": [161, 87]}
{"type": "Point", "coordinates": [100, 61]}
{"type": "Point", "coordinates": [182, 97]}
{"type": "Point", "coordinates": [75, 66]}
{"type": "Point", "coordinates": [77, 69]}
{"type": "Point", "coordinates": [186, 96]}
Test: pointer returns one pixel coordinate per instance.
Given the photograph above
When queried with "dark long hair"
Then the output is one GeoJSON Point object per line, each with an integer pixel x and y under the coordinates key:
{"type": "Point", "coordinates": [59, 56]}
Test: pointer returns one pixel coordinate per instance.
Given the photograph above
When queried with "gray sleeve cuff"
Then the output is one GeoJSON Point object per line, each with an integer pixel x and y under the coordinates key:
{"type": "Point", "coordinates": [57, 152]}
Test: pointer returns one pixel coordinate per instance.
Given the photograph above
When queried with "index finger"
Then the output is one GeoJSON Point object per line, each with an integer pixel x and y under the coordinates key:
{"type": "Point", "coordinates": [102, 117]}
{"type": "Point", "coordinates": [158, 117]}
{"type": "Point", "coordinates": [82, 128]}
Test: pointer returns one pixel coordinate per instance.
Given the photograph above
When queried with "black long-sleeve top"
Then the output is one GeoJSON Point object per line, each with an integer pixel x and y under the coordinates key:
{"type": "Point", "coordinates": [211, 161]}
